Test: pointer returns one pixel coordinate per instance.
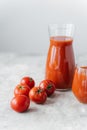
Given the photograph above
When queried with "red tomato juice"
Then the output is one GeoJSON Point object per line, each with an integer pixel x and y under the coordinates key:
{"type": "Point", "coordinates": [79, 86]}
{"type": "Point", "coordinates": [60, 62]}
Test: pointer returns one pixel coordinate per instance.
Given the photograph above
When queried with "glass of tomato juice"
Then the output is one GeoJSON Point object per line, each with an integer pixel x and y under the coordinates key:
{"type": "Point", "coordinates": [60, 62]}
{"type": "Point", "coordinates": [79, 85]}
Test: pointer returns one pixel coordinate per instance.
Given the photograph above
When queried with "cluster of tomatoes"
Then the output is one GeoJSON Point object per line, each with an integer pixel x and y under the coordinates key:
{"type": "Point", "coordinates": [26, 91]}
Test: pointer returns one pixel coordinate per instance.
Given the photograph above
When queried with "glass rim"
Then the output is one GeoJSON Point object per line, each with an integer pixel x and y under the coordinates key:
{"type": "Point", "coordinates": [61, 25]}
{"type": "Point", "coordinates": [83, 67]}
{"type": "Point", "coordinates": [55, 29]}
{"type": "Point", "coordinates": [82, 62]}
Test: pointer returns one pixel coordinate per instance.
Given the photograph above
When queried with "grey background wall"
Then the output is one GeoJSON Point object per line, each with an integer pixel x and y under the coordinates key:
{"type": "Point", "coordinates": [24, 23]}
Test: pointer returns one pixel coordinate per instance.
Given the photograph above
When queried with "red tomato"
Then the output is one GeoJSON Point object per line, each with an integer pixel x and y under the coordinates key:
{"type": "Point", "coordinates": [20, 103]}
{"type": "Point", "coordinates": [29, 81]}
{"type": "Point", "coordinates": [21, 89]}
{"type": "Point", "coordinates": [48, 86]}
{"type": "Point", "coordinates": [37, 95]}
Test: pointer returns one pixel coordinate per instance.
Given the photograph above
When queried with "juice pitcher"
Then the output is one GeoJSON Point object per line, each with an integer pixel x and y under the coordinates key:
{"type": "Point", "coordinates": [60, 63]}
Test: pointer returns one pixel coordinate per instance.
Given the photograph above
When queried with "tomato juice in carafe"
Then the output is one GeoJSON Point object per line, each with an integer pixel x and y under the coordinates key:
{"type": "Point", "coordinates": [60, 62]}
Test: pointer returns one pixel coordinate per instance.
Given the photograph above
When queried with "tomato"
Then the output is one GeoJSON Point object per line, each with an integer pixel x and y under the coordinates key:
{"type": "Point", "coordinates": [37, 95]}
{"type": "Point", "coordinates": [21, 89]}
{"type": "Point", "coordinates": [48, 86]}
{"type": "Point", "coordinates": [20, 103]}
{"type": "Point", "coordinates": [29, 81]}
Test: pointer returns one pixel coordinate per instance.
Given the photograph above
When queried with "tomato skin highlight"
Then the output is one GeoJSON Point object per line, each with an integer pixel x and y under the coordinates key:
{"type": "Point", "coordinates": [20, 103]}
{"type": "Point", "coordinates": [21, 89]}
{"type": "Point", "coordinates": [29, 81]}
{"type": "Point", "coordinates": [48, 86]}
{"type": "Point", "coordinates": [37, 95]}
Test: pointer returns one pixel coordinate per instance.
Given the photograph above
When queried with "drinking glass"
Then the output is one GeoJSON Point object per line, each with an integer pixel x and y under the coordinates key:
{"type": "Point", "coordinates": [79, 86]}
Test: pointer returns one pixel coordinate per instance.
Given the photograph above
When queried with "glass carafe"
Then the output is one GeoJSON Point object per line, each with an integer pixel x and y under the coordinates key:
{"type": "Point", "coordinates": [60, 63]}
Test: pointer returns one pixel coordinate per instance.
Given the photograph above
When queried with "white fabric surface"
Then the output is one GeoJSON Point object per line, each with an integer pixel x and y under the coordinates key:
{"type": "Point", "coordinates": [60, 112]}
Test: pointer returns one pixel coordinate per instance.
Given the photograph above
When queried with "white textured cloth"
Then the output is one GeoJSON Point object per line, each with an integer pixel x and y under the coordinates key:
{"type": "Point", "coordinates": [60, 112]}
